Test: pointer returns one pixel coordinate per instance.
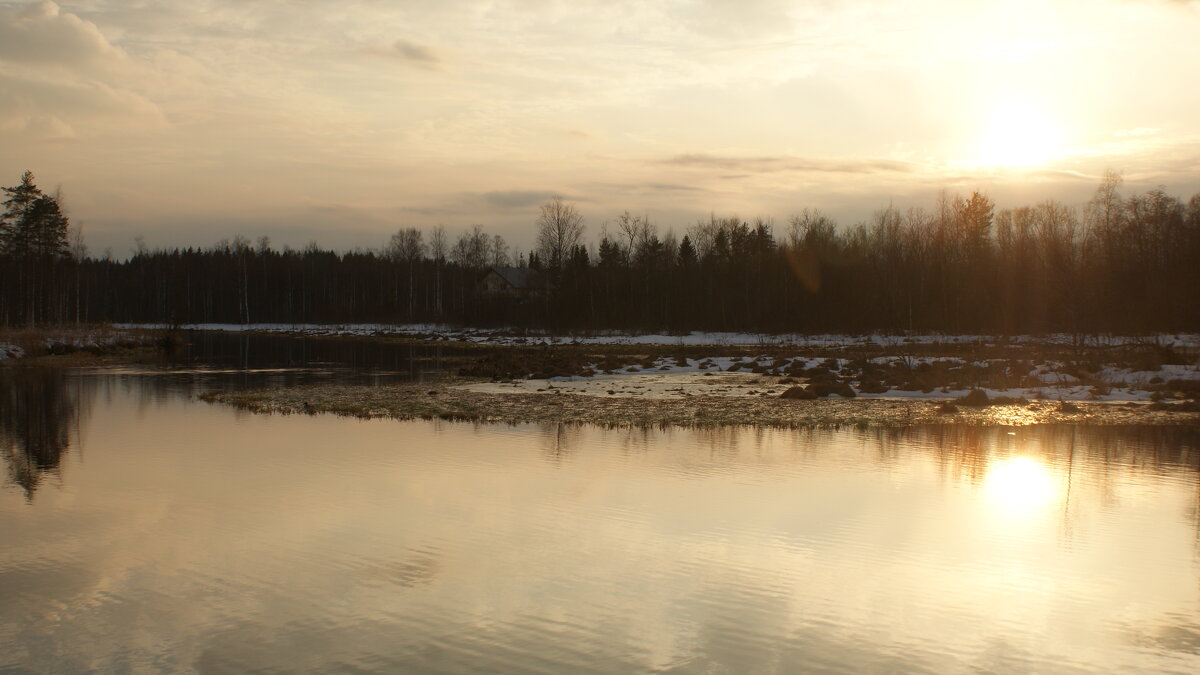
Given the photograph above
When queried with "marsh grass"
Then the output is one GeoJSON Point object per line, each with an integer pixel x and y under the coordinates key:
{"type": "Point", "coordinates": [67, 346]}
{"type": "Point", "coordinates": [450, 402]}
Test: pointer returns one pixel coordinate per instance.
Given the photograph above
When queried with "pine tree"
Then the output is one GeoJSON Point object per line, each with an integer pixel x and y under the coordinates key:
{"type": "Point", "coordinates": [687, 252]}
{"type": "Point", "coordinates": [15, 224]}
{"type": "Point", "coordinates": [48, 229]}
{"type": "Point", "coordinates": [33, 237]}
{"type": "Point", "coordinates": [33, 224]}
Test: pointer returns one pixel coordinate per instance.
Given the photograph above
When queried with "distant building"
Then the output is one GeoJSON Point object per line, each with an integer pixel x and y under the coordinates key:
{"type": "Point", "coordinates": [511, 283]}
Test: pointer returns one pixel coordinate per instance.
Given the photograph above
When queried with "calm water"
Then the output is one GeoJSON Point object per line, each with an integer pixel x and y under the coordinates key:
{"type": "Point", "coordinates": [344, 354]}
{"type": "Point", "coordinates": [144, 531]}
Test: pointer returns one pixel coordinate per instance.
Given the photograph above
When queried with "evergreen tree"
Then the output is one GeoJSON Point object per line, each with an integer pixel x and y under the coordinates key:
{"type": "Point", "coordinates": [33, 237]}
{"type": "Point", "coordinates": [687, 252]}
{"type": "Point", "coordinates": [15, 230]}
{"type": "Point", "coordinates": [47, 229]}
{"type": "Point", "coordinates": [33, 224]}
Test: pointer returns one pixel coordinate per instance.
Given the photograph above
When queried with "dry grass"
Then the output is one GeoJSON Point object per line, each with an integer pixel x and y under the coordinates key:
{"type": "Point", "coordinates": [83, 345]}
{"type": "Point", "coordinates": [442, 400]}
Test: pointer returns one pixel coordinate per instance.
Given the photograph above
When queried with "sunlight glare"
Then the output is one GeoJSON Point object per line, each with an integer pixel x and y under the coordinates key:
{"type": "Point", "coordinates": [1020, 485]}
{"type": "Point", "coordinates": [1019, 135]}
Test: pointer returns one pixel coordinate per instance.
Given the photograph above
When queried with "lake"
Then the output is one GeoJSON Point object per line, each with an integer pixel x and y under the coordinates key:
{"type": "Point", "coordinates": [142, 530]}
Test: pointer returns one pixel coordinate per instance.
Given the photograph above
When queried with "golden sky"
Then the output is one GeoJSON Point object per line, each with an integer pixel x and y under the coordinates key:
{"type": "Point", "coordinates": [341, 122]}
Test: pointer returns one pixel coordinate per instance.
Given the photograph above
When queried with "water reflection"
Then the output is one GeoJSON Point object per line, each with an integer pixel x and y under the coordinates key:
{"type": "Point", "coordinates": [40, 418]}
{"type": "Point", "coordinates": [194, 539]}
{"type": "Point", "coordinates": [240, 351]}
{"type": "Point", "coordinates": [1020, 485]}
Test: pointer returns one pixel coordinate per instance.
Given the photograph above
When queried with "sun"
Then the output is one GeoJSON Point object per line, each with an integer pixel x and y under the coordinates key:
{"type": "Point", "coordinates": [1019, 135]}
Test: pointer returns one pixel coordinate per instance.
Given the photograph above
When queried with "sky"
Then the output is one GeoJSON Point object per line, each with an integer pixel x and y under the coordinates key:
{"type": "Point", "coordinates": [186, 123]}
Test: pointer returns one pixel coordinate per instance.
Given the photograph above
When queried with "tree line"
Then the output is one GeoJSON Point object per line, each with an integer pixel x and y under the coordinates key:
{"type": "Point", "coordinates": [1117, 264]}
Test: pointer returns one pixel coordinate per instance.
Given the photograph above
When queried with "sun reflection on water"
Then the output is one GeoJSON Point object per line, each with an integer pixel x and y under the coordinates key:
{"type": "Point", "coordinates": [1020, 485]}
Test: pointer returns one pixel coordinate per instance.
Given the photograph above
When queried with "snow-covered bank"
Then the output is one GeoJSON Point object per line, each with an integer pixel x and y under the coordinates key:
{"type": "Point", "coordinates": [11, 351]}
{"type": "Point", "coordinates": [512, 336]}
{"type": "Point", "coordinates": [68, 340]}
{"type": "Point", "coordinates": [677, 377]}
{"type": "Point", "coordinates": [1138, 368]}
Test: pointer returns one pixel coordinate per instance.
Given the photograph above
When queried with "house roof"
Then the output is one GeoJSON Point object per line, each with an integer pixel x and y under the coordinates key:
{"type": "Point", "coordinates": [519, 277]}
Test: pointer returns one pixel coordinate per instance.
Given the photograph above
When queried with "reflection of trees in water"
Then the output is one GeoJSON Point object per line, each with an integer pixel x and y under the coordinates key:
{"type": "Point", "coordinates": [39, 416]}
{"type": "Point", "coordinates": [558, 440]}
{"type": "Point", "coordinates": [1096, 459]}
{"type": "Point", "coordinates": [244, 351]}
{"type": "Point", "coordinates": [963, 452]}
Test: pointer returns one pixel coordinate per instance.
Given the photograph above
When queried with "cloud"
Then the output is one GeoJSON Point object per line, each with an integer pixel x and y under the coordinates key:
{"type": "Point", "coordinates": [672, 187]}
{"type": "Point", "coordinates": [1061, 175]}
{"type": "Point", "coordinates": [59, 73]}
{"type": "Point", "coordinates": [95, 98]}
{"type": "Point", "coordinates": [42, 34]}
{"type": "Point", "coordinates": [31, 105]}
{"type": "Point", "coordinates": [414, 52]}
{"type": "Point", "coordinates": [411, 54]}
{"type": "Point", "coordinates": [740, 18]}
{"type": "Point", "coordinates": [650, 187]}
{"type": "Point", "coordinates": [517, 199]}
{"type": "Point", "coordinates": [784, 163]}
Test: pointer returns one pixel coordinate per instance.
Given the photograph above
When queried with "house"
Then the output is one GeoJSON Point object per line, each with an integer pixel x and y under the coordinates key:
{"type": "Point", "coordinates": [511, 283]}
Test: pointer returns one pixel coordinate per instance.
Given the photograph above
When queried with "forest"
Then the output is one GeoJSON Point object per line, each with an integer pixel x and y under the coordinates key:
{"type": "Point", "coordinates": [1119, 263]}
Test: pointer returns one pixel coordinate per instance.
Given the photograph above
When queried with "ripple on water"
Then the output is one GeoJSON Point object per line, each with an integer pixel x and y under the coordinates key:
{"type": "Point", "coordinates": [173, 539]}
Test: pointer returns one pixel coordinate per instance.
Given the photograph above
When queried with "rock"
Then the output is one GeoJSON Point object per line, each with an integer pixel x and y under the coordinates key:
{"type": "Point", "coordinates": [826, 388]}
{"type": "Point", "coordinates": [975, 398]}
{"type": "Point", "coordinates": [799, 393]}
{"type": "Point", "coordinates": [868, 386]}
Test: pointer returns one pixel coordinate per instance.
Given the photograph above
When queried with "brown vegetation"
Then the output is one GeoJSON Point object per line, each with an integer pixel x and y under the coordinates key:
{"type": "Point", "coordinates": [442, 400]}
{"type": "Point", "coordinates": [79, 345]}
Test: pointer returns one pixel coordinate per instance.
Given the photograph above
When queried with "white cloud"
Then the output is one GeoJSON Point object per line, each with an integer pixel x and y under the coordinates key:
{"type": "Point", "coordinates": [42, 34]}
{"type": "Point", "coordinates": [458, 109]}
{"type": "Point", "coordinates": [59, 77]}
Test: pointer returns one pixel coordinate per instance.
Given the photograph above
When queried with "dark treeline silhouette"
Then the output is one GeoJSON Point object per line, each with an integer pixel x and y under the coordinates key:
{"type": "Point", "coordinates": [239, 283]}
{"type": "Point", "coordinates": [1118, 264]}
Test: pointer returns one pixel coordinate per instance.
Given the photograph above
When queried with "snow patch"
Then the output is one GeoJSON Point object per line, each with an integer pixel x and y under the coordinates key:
{"type": "Point", "coordinates": [11, 351]}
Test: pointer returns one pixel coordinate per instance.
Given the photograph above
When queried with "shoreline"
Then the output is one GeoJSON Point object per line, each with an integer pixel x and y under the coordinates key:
{"type": "Point", "coordinates": [858, 381]}
{"type": "Point", "coordinates": [637, 385]}
{"type": "Point", "coordinates": [459, 399]}
{"type": "Point", "coordinates": [510, 336]}
{"type": "Point", "coordinates": [80, 346]}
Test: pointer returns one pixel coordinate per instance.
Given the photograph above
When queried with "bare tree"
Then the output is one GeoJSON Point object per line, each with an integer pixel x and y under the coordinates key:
{"type": "Point", "coordinates": [1103, 212]}
{"type": "Point", "coordinates": [437, 250]}
{"type": "Point", "coordinates": [79, 253]}
{"type": "Point", "coordinates": [635, 230]}
{"type": "Point", "coordinates": [560, 227]}
{"type": "Point", "coordinates": [500, 256]}
{"type": "Point", "coordinates": [408, 246]}
{"type": "Point", "coordinates": [472, 249]}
